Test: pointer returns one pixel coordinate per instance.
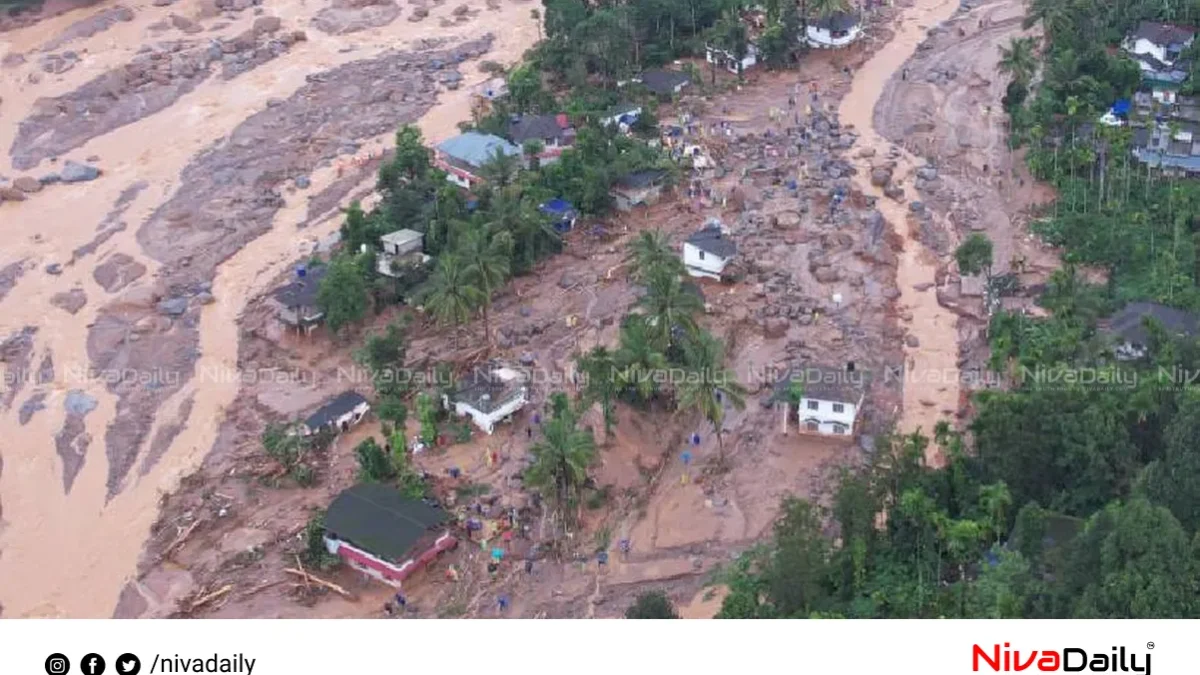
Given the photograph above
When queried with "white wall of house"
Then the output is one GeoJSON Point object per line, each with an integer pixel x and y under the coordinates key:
{"type": "Point", "coordinates": [487, 421]}
{"type": "Point", "coordinates": [727, 60]}
{"type": "Point", "coordinates": [1144, 46]}
{"type": "Point", "coordinates": [633, 113]}
{"type": "Point", "coordinates": [701, 263]}
{"type": "Point", "coordinates": [352, 418]}
{"type": "Point", "coordinates": [300, 315]}
{"type": "Point", "coordinates": [822, 38]}
{"type": "Point", "coordinates": [829, 417]}
{"type": "Point", "coordinates": [460, 181]}
{"type": "Point", "coordinates": [1129, 351]}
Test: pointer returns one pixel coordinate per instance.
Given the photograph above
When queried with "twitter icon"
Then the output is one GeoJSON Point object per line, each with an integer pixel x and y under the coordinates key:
{"type": "Point", "coordinates": [128, 664]}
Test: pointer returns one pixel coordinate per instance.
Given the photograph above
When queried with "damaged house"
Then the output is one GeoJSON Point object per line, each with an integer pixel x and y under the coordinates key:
{"type": "Point", "coordinates": [298, 299]}
{"type": "Point", "coordinates": [490, 394]}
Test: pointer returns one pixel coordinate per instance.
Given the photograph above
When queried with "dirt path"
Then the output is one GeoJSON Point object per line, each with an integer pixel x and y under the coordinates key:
{"type": "Point", "coordinates": [931, 383]}
{"type": "Point", "coordinates": [37, 579]}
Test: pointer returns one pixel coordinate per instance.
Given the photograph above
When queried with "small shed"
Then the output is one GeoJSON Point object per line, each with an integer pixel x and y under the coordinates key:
{"type": "Point", "coordinates": [298, 298]}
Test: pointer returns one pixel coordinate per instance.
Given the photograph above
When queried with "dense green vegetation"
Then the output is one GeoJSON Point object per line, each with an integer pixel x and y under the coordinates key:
{"type": "Point", "coordinates": [1078, 493]}
{"type": "Point", "coordinates": [652, 605]}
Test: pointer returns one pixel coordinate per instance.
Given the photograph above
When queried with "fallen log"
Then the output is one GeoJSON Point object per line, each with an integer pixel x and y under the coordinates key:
{"type": "Point", "coordinates": [320, 582]}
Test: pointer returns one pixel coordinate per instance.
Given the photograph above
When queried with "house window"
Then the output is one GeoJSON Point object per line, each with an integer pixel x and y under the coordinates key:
{"type": "Point", "coordinates": [838, 407]}
{"type": "Point", "coordinates": [702, 255]}
{"type": "Point", "coordinates": [813, 405]}
{"type": "Point", "coordinates": [812, 426]}
{"type": "Point", "coordinates": [839, 429]}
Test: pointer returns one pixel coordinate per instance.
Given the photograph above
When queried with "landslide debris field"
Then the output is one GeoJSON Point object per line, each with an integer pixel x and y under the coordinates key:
{"type": "Point", "coordinates": [167, 164]}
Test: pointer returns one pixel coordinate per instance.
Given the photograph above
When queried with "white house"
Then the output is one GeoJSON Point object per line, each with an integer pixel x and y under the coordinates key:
{"type": "Point", "coordinates": [490, 394]}
{"type": "Point", "coordinates": [1129, 332]}
{"type": "Point", "coordinates": [828, 400]}
{"type": "Point", "coordinates": [624, 116]}
{"type": "Point", "coordinates": [707, 252]}
{"type": "Point", "coordinates": [339, 414]}
{"type": "Point", "coordinates": [836, 30]}
{"type": "Point", "coordinates": [399, 248]}
{"type": "Point", "coordinates": [729, 61]}
{"type": "Point", "coordinates": [1162, 41]}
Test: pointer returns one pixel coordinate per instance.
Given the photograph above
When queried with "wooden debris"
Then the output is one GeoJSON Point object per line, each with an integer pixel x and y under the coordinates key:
{"type": "Point", "coordinates": [179, 540]}
{"type": "Point", "coordinates": [321, 582]}
{"type": "Point", "coordinates": [205, 599]}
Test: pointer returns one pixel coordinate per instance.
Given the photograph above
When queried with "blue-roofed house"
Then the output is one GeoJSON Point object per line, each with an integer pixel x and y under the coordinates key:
{"type": "Point", "coordinates": [462, 156]}
{"type": "Point", "coordinates": [562, 214]}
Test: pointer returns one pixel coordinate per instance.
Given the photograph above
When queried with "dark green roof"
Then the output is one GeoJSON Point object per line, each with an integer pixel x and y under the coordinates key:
{"type": "Point", "coordinates": [380, 520]}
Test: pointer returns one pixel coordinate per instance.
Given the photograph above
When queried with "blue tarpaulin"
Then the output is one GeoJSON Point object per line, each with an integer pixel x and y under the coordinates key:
{"type": "Point", "coordinates": [1121, 107]}
{"type": "Point", "coordinates": [561, 211]}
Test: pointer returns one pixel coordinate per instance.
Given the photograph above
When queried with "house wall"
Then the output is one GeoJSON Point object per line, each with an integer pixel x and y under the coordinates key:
{"type": "Point", "coordinates": [382, 570]}
{"type": "Point", "coordinates": [702, 264]}
{"type": "Point", "coordinates": [607, 121]}
{"type": "Point", "coordinates": [626, 200]}
{"type": "Point", "coordinates": [487, 421]}
{"type": "Point", "coordinates": [352, 418]}
{"type": "Point", "coordinates": [727, 60]}
{"type": "Point", "coordinates": [819, 37]}
{"type": "Point", "coordinates": [463, 179]}
{"type": "Point", "coordinates": [1144, 46]}
{"type": "Point", "coordinates": [302, 315]}
{"type": "Point", "coordinates": [825, 416]}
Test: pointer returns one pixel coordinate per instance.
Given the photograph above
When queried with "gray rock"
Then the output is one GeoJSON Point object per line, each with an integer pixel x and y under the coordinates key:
{"type": "Point", "coordinates": [54, 269]}
{"type": "Point", "coordinates": [27, 184]}
{"type": "Point", "coordinates": [567, 280]}
{"type": "Point", "coordinates": [917, 207]}
{"type": "Point", "coordinates": [173, 306]}
{"type": "Point", "coordinates": [927, 173]}
{"type": "Point", "coordinates": [303, 182]}
{"type": "Point", "coordinates": [894, 192]}
{"type": "Point", "coordinates": [50, 179]}
{"type": "Point", "coordinates": [74, 172]}
{"type": "Point", "coordinates": [205, 298]}
{"type": "Point", "coordinates": [881, 176]}
{"type": "Point", "coordinates": [527, 359]}
{"type": "Point", "coordinates": [912, 342]}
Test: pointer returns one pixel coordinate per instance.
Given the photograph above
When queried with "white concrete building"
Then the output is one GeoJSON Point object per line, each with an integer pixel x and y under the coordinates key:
{"type": "Point", "coordinates": [401, 247]}
{"type": "Point", "coordinates": [827, 401]}
{"type": "Point", "coordinates": [707, 252]}
{"type": "Point", "coordinates": [1161, 41]}
{"type": "Point", "coordinates": [729, 61]}
{"type": "Point", "coordinates": [340, 413]}
{"type": "Point", "coordinates": [491, 394]}
{"type": "Point", "coordinates": [836, 30]}
{"type": "Point", "coordinates": [1129, 332]}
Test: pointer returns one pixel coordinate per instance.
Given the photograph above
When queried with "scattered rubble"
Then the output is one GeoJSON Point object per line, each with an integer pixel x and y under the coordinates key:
{"type": "Point", "coordinates": [351, 16]}
{"type": "Point", "coordinates": [73, 440]}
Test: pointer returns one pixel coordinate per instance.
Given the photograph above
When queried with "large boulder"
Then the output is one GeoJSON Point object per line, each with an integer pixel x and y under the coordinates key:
{"type": "Point", "coordinates": [881, 176]}
{"type": "Point", "coordinates": [74, 172]}
{"type": "Point", "coordinates": [11, 194]}
{"type": "Point", "coordinates": [266, 24]}
{"type": "Point", "coordinates": [27, 184]}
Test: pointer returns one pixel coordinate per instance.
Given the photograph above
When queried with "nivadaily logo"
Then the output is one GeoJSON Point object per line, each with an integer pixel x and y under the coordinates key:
{"type": "Point", "coordinates": [1069, 660]}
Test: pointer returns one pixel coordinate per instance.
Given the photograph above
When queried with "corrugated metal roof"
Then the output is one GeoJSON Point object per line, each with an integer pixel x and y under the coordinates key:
{"type": "Point", "coordinates": [476, 149]}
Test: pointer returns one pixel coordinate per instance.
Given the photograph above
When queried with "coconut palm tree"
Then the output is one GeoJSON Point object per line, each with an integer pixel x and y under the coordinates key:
{"type": "Point", "coordinates": [995, 499]}
{"type": "Point", "coordinates": [487, 260]}
{"type": "Point", "coordinates": [1019, 59]}
{"type": "Point", "coordinates": [638, 361]}
{"type": "Point", "coordinates": [561, 458]}
{"type": "Point", "coordinates": [500, 170]}
{"type": "Point", "coordinates": [710, 385]}
{"type": "Point", "coordinates": [599, 369]}
{"type": "Point", "coordinates": [451, 294]}
{"type": "Point", "coordinates": [669, 306]}
{"type": "Point", "coordinates": [649, 252]}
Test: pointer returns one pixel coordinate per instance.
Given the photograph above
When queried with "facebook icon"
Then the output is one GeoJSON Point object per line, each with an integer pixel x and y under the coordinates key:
{"type": "Point", "coordinates": [92, 664]}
